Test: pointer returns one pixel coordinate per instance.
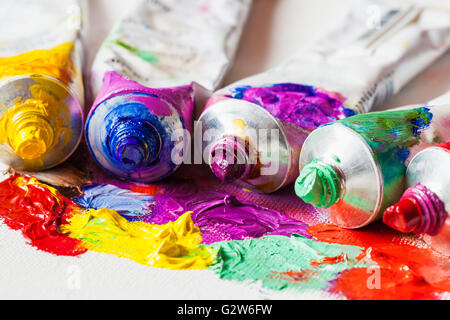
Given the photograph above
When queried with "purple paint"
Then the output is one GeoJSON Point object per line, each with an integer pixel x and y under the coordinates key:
{"type": "Point", "coordinates": [305, 106]}
{"type": "Point", "coordinates": [222, 211]}
{"type": "Point", "coordinates": [228, 160]}
{"type": "Point", "coordinates": [220, 216]}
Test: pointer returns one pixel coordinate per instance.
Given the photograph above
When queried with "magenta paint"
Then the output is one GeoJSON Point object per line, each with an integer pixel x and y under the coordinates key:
{"type": "Point", "coordinates": [229, 159]}
{"type": "Point", "coordinates": [304, 106]}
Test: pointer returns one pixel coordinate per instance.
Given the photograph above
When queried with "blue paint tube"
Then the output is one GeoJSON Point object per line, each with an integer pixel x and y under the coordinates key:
{"type": "Point", "coordinates": [147, 76]}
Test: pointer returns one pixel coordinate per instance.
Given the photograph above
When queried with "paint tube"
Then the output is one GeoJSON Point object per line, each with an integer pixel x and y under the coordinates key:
{"type": "Point", "coordinates": [353, 169]}
{"type": "Point", "coordinates": [424, 206]}
{"type": "Point", "coordinates": [41, 82]}
{"type": "Point", "coordinates": [369, 56]}
{"type": "Point", "coordinates": [144, 78]}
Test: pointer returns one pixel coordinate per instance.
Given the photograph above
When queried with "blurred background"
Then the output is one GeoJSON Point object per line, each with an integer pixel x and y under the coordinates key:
{"type": "Point", "coordinates": [277, 29]}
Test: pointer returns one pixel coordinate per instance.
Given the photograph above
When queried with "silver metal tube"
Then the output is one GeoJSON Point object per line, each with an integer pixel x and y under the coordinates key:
{"type": "Point", "coordinates": [362, 180]}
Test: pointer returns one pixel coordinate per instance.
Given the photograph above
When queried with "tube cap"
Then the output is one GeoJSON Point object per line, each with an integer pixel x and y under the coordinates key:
{"type": "Point", "coordinates": [134, 143]}
{"type": "Point", "coordinates": [419, 210]}
{"type": "Point", "coordinates": [229, 161]}
{"type": "Point", "coordinates": [318, 184]}
{"type": "Point", "coordinates": [29, 133]}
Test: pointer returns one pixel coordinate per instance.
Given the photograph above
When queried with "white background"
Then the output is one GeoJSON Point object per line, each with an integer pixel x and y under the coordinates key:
{"type": "Point", "coordinates": [276, 29]}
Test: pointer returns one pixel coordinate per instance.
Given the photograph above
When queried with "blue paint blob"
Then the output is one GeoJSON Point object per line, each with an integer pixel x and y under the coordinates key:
{"type": "Point", "coordinates": [127, 203]}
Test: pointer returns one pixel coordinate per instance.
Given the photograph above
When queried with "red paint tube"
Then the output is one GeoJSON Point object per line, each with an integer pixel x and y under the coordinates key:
{"type": "Point", "coordinates": [424, 207]}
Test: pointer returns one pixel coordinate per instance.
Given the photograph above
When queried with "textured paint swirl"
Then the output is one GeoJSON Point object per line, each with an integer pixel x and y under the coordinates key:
{"type": "Point", "coordinates": [400, 270]}
{"type": "Point", "coordinates": [281, 262]}
{"type": "Point", "coordinates": [38, 210]}
{"type": "Point", "coordinates": [127, 203]}
{"type": "Point", "coordinates": [219, 215]}
{"type": "Point", "coordinates": [305, 106]}
{"type": "Point", "coordinates": [174, 245]}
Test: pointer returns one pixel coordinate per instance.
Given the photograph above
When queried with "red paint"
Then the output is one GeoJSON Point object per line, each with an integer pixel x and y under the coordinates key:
{"type": "Point", "coordinates": [445, 146]}
{"type": "Point", "coordinates": [150, 190]}
{"type": "Point", "coordinates": [38, 213]}
{"type": "Point", "coordinates": [343, 213]}
{"type": "Point", "coordinates": [330, 260]}
{"type": "Point", "coordinates": [404, 216]}
{"type": "Point", "coordinates": [296, 276]}
{"type": "Point", "coordinates": [406, 272]}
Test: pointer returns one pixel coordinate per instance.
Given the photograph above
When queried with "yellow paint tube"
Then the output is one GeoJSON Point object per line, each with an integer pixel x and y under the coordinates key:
{"type": "Point", "coordinates": [41, 83]}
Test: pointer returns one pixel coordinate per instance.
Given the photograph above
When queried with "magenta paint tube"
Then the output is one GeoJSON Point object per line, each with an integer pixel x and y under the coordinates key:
{"type": "Point", "coordinates": [254, 129]}
{"type": "Point", "coordinates": [146, 78]}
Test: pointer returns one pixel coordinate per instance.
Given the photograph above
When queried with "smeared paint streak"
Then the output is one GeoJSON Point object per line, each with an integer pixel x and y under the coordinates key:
{"type": "Point", "coordinates": [37, 210]}
{"type": "Point", "coordinates": [171, 246]}
{"type": "Point", "coordinates": [295, 278]}
{"type": "Point", "coordinates": [329, 260]}
{"type": "Point", "coordinates": [391, 134]}
{"type": "Point", "coordinates": [145, 55]}
{"type": "Point", "coordinates": [305, 106]}
{"type": "Point", "coordinates": [220, 216]}
{"type": "Point", "coordinates": [406, 272]}
{"type": "Point", "coordinates": [281, 262]}
{"type": "Point", "coordinates": [56, 62]}
{"type": "Point", "coordinates": [128, 204]}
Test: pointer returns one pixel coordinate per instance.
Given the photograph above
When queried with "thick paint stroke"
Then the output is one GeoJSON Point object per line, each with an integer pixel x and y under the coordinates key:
{"type": "Point", "coordinates": [56, 62]}
{"type": "Point", "coordinates": [405, 271]}
{"type": "Point", "coordinates": [175, 245]}
{"type": "Point", "coordinates": [127, 203]}
{"type": "Point", "coordinates": [281, 262]}
{"type": "Point", "coordinates": [38, 210]}
{"type": "Point", "coordinates": [219, 215]}
{"type": "Point", "coordinates": [305, 106]}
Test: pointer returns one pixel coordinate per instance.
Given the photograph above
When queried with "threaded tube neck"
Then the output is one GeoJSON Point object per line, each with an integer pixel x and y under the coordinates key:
{"type": "Point", "coordinates": [134, 143]}
{"type": "Point", "coordinates": [30, 134]}
{"type": "Point", "coordinates": [419, 210]}
{"type": "Point", "coordinates": [318, 184]}
{"type": "Point", "coordinates": [229, 160]}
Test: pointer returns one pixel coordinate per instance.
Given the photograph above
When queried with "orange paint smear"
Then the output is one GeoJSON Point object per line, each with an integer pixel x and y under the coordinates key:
{"type": "Point", "coordinates": [330, 260]}
{"type": "Point", "coordinates": [38, 211]}
{"type": "Point", "coordinates": [295, 277]}
{"type": "Point", "coordinates": [406, 272]}
{"type": "Point", "coordinates": [344, 214]}
{"type": "Point", "coordinates": [150, 190]}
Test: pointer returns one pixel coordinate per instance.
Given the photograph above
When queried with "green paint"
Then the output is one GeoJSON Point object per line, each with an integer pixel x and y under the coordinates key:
{"type": "Point", "coordinates": [147, 56]}
{"type": "Point", "coordinates": [267, 259]}
{"type": "Point", "coordinates": [390, 134]}
{"type": "Point", "coordinates": [318, 184]}
{"type": "Point", "coordinates": [383, 129]}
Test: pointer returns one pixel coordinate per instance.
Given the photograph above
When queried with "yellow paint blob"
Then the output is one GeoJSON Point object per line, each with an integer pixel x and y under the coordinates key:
{"type": "Point", "coordinates": [56, 62]}
{"type": "Point", "coordinates": [35, 126]}
{"type": "Point", "coordinates": [239, 123]}
{"type": "Point", "coordinates": [175, 245]}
